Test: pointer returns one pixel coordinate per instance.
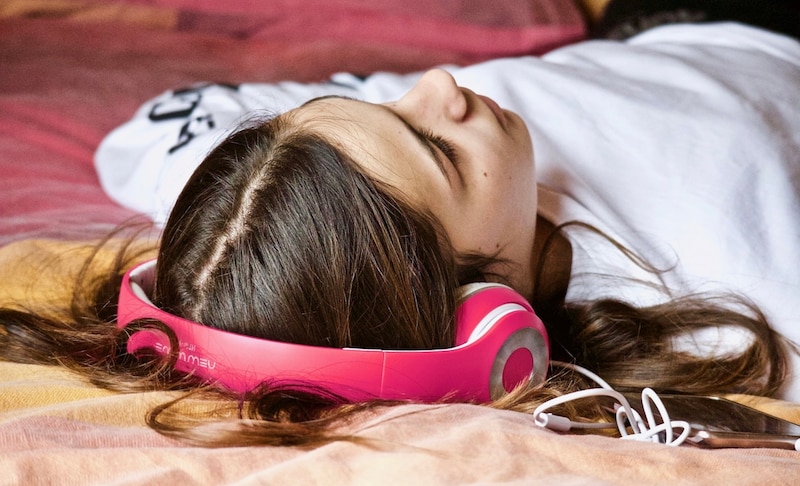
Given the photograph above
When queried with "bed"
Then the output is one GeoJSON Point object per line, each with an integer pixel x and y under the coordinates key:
{"type": "Point", "coordinates": [72, 70]}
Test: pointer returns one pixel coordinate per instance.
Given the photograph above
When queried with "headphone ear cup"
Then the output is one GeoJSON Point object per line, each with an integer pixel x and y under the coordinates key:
{"type": "Point", "coordinates": [523, 356]}
{"type": "Point", "coordinates": [471, 310]}
{"type": "Point", "coordinates": [494, 310]}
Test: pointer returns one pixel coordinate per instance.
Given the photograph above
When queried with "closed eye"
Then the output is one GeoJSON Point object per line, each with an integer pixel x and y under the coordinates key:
{"type": "Point", "coordinates": [447, 148]}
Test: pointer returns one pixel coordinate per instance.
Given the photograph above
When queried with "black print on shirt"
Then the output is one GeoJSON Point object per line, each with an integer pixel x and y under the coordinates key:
{"type": "Point", "coordinates": [181, 106]}
{"type": "Point", "coordinates": [191, 129]}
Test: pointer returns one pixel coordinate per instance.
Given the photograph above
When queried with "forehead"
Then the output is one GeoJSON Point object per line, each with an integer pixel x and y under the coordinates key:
{"type": "Point", "coordinates": [377, 140]}
{"type": "Point", "coordinates": [348, 124]}
{"type": "Point", "coordinates": [334, 113]}
{"type": "Point", "coordinates": [370, 134]}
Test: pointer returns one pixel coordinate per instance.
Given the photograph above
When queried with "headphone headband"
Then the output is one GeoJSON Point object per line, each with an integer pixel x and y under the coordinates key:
{"type": "Point", "coordinates": [500, 342]}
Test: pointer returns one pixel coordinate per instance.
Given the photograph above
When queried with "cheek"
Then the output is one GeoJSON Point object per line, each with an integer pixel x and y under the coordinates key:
{"type": "Point", "coordinates": [509, 190]}
{"type": "Point", "coordinates": [495, 209]}
{"type": "Point", "coordinates": [482, 227]}
{"type": "Point", "coordinates": [507, 209]}
{"type": "Point", "coordinates": [521, 184]}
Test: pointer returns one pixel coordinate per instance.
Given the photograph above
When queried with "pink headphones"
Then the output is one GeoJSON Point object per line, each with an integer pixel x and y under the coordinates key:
{"type": "Point", "coordinates": [500, 342]}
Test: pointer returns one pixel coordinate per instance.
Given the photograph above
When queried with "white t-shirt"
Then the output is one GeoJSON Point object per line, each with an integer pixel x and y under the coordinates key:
{"type": "Point", "coordinates": [683, 144]}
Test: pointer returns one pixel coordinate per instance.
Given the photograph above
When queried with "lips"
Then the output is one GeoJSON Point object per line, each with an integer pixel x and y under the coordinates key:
{"type": "Point", "coordinates": [498, 112]}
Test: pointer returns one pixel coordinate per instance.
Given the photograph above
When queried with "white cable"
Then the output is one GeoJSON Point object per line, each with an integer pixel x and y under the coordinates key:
{"type": "Point", "coordinates": [626, 416]}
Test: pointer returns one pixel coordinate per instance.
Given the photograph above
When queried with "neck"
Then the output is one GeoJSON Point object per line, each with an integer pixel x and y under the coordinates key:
{"type": "Point", "coordinates": [551, 264]}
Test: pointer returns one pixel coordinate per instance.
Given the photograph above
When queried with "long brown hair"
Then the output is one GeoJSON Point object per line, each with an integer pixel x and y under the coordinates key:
{"type": "Point", "coordinates": [279, 235]}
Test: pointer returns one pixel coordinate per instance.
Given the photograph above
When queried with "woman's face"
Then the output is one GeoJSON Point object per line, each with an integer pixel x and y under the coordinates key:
{"type": "Point", "coordinates": [448, 151]}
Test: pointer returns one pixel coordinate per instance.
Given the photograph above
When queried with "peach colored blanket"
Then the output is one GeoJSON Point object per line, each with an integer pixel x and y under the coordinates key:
{"type": "Point", "coordinates": [70, 71]}
{"type": "Point", "coordinates": [55, 430]}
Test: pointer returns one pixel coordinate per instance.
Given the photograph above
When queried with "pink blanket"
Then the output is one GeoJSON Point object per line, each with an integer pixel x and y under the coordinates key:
{"type": "Point", "coordinates": [72, 70]}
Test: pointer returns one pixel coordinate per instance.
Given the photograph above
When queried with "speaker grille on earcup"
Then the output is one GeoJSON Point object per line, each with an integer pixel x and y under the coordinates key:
{"type": "Point", "coordinates": [512, 366]}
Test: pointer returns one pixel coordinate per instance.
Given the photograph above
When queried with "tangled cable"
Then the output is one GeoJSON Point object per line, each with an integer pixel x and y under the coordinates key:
{"type": "Point", "coordinates": [626, 417]}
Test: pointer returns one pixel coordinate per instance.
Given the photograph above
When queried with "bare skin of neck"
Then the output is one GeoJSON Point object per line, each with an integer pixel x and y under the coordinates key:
{"type": "Point", "coordinates": [555, 259]}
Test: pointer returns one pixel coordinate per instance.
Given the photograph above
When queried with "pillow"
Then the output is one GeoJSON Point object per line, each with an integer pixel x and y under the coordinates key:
{"type": "Point", "coordinates": [498, 28]}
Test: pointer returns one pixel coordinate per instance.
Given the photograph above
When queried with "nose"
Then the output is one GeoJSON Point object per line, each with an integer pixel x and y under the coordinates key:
{"type": "Point", "coordinates": [437, 97]}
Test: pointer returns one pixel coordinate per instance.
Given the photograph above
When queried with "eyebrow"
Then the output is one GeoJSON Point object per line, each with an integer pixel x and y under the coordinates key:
{"type": "Point", "coordinates": [422, 139]}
